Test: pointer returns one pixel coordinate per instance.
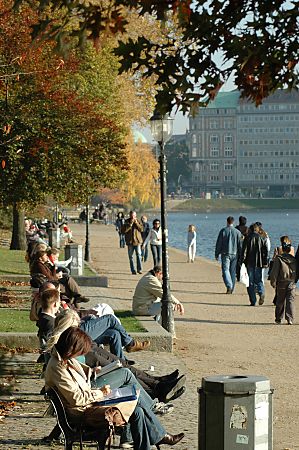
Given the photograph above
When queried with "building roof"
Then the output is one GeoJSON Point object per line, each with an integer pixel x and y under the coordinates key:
{"type": "Point", "coordinates": [225, 100]}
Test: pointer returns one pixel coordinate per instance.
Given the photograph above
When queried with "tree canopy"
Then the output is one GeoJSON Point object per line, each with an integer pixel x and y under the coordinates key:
{"type": "Point", "coordinates": [207, 41]}
{"type": "Point", "coordinates": [62, 130]}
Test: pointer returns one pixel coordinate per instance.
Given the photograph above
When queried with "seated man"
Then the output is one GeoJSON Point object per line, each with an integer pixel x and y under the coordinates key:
{"type": "Point", "coordinates": [102, 330]}
{"type": "Point", "coordinates": [148, 294]}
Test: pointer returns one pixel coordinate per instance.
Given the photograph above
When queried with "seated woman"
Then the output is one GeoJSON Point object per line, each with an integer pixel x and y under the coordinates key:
{"type": "Point", "coordinates": [72, 380]}
{"type": "Point", "coordinates": [40, 265]}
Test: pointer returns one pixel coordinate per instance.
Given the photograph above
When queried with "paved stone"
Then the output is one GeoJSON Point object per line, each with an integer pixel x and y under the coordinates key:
{"type": "Point", "coordinates": [25, 426]}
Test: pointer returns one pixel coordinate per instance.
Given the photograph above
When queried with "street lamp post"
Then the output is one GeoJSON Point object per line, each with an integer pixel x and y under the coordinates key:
{"type": "Point", "coordinates": [87, 243]}
{"type": "Point", "coordinates": [161, 128]}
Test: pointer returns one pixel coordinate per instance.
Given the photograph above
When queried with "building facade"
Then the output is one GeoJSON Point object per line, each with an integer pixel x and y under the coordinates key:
{"type": "Point", "coordinates": [238, 148]}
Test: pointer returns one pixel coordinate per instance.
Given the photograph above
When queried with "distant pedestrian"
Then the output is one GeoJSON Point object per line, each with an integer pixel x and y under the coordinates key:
{"type": "Point", "coordinates": [145, 232]}
{"type": "Point", "coordinates": [283, 278]}
{"type": "Point", "coordinates": [132, 229]}
{"type": "Point", "coordinates": [155, 239]}
{"type": "Point", "coordinates": [229, 246]}
{"type": "Point", "coordinates": [191, 241]}
{"type": "Point", "coordinates": [242, 227]}
{"type": "Point", "coordinates": [255, 258]}
{"type": "Point", "coordinates": [120, 220]}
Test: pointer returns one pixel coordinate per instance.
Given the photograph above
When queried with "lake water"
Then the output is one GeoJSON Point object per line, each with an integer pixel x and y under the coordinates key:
{"type": "Point", "coordinates": [276, 223]}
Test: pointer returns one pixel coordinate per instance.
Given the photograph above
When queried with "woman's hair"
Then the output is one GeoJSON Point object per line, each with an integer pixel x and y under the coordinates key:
{"type": "Point", "coordinates": [285, 239]}
{"type": "Point", "coordinates": [66, 319]}
{"type": "Point", "coordinates": [156, 221]}
{"type": "Point", "coordinates": [53, 251]}
{"type": "Point", "coordinates": [73, 342]}
{"type": "Point", "coordinates": [191, 228]}
{"type": "Point", "coordinates": [39, 253]}
{"type": "Point", "coordinates": [120, 215]}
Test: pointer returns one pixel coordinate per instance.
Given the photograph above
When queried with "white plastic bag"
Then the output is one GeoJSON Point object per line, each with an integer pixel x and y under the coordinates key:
{"type": "Point", "coordinates": [244, 279]}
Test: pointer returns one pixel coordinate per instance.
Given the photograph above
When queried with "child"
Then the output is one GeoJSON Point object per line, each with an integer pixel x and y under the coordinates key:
{"type": "Point", "coordinates": [191, 243]}
{"type": "Point", "coordinates": [283, 278]}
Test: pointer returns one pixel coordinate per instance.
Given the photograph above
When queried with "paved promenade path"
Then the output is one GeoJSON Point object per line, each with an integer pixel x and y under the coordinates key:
{"type": "Point", "coordinates": [219, 334]}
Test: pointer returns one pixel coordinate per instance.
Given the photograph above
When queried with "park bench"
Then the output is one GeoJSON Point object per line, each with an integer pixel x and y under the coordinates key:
{"type": "Point", "coordinates": [79, 432]}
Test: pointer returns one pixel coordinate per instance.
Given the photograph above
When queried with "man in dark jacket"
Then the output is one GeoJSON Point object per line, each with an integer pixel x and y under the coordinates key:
{"type": "Point", "coordinates": [255, 257]}
{"type": "Point", "coordinates": [132, 230]}
{"type": "Point", "coordinates": [229, 245]}
{"type": "Point", "coordinates": [283, 278]}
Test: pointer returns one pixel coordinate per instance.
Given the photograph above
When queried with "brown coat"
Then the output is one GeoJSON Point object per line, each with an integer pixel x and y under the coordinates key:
{"type": "Point", "coordinates": [132, 232]}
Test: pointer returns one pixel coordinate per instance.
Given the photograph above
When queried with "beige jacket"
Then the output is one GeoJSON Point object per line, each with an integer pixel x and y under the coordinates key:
{"type": "Point", "coordinates": [72, 380]}
{"type": "Point", "coordinates": [148, 291]}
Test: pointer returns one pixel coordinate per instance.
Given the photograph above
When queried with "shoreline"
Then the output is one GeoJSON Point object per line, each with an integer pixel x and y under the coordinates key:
{"type": "Point", "coordinates": [227, 204]}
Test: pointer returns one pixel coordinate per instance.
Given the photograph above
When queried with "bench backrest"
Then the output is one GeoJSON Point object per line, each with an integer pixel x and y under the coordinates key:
{"type": "Point", "coordinates": [53, 395]}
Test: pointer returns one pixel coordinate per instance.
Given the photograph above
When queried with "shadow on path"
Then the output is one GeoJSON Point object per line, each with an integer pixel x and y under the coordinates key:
{"type": "Point", "coordinates": [225, 322]}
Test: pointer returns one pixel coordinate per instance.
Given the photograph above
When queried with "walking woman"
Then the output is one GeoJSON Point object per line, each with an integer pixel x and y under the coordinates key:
{"type": "Point", "coordinates": [191, 243]}
{"type": "Point", "coordinates": [120, 220]}
{"type": "Point", "coordinates": [155, 239]}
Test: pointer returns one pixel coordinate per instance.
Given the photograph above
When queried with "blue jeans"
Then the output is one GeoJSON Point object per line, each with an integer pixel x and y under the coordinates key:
{"type": "Point", "coordinates": [145, 428]}
{"type": "Point", "coordinates": [255, 275]}
{"type": "Point", "coordinates": [107, 330]}
{"type": "Point", "coordinates": [122, 242]}
{"type": "Point", "coordinates": [229, 265]}
{"type": "Point", "coordinates": [137, 250]}
{"type": "Point", "coordinates": [157, 254]}
{"type": "Point", "coordinates": [144, 253]}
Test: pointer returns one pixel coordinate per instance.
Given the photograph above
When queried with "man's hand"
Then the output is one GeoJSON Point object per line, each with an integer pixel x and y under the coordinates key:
{"type": "Point", "coordinates": [180, 308]}
{"type": "Point", "coordinates": [106, 389]}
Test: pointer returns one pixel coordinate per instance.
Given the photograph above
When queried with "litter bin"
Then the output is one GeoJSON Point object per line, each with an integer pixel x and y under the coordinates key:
{"type": "Point", "coordinates": [76, 265]}
{"type": "Point", "coordinates": [54, 237]}
{"type": "Point", "coordinates": [235, 413]}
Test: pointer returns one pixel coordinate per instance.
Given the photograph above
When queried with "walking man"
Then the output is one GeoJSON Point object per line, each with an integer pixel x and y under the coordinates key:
{"type": "Point", "coordinates": [132, 230]}
{"type": "Point", "coordinates": [255, 258]}
{"type": "Point", "coordinates": [229, 246]}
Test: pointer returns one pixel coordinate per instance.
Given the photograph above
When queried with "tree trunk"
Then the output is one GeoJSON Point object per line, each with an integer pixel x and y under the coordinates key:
{"type": "Point", "coordinates": [18, 239]}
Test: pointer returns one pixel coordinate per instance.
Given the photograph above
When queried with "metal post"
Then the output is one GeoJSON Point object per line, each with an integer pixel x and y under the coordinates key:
{"type": "Point", "coordinates": [167, 310]}
{"type": "Point", "coordinates": [87, 244]}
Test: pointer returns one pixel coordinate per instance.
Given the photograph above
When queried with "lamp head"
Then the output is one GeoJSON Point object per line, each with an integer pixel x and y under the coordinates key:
{"type": "Point", "coordinates": [161, 127]}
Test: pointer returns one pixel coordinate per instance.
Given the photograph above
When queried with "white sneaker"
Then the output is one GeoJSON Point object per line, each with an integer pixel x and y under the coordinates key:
{"type": "Point", "coordinates": [126, 445]}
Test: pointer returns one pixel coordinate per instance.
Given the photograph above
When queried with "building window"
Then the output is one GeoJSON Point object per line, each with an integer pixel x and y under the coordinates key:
{"type": "Point", "coordinates": [228, 178]}
{"type": "Point", "coordinates": [194, 138]}
{"type": "Point", "coordinates": [214, 166]}
{"type": "Point", "coordinates": [194, 152]}
{"type": "Point", "coordinates": [214, 139]}
{"type": "Point", "coordinates": [228, 124]}
{"type": "Point", "coordinates": [197, 167]}
{"type": "Point", "coordinates": [228, 151]}
{"type": "Point", "coordinates": [228, 166]}
{"type": "Point", "coordinates": [214, 151]}
{"type": "Point", "coordinates": [214, 124]}
{"type": "Point", "coordinates": [228, 138]}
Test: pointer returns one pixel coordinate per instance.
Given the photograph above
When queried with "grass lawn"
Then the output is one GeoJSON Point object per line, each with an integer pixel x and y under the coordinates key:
{"type": "Point", "coordinates": [14, 320]}
{"type": "Point", "coordinates": [12, 262]}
